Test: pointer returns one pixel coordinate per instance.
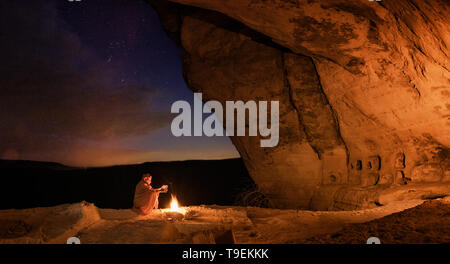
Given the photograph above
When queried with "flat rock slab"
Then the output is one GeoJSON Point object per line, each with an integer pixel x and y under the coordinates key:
{"type": "Point", "coordinates": [201, 224]}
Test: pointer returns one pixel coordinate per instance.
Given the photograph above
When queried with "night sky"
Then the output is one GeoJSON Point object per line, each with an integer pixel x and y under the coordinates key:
{"type": "Point", "coordinates": [91, 83]}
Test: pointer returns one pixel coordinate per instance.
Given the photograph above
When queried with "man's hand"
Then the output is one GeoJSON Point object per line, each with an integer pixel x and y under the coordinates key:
{"type": "Point", "coordinates": [164, 188]}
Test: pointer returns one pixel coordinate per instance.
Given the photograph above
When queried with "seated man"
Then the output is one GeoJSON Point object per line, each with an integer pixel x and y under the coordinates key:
{"type": "Point", "coordinates": [145, 196]}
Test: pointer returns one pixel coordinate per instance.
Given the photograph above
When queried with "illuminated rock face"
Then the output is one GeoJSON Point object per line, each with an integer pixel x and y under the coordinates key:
{"type": "Point", "coordinates": [364, 91]}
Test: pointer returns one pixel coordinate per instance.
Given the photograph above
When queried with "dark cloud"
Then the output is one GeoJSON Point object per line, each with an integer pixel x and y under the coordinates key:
{"type": "Point", "coordinates": [54, 90]}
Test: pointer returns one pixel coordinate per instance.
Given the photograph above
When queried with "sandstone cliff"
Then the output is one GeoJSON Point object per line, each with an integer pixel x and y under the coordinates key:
{"type": "Point", "coordinates": [363, 86]}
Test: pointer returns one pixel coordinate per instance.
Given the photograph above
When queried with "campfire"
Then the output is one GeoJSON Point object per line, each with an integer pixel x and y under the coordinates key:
{"type": "Point", "coordinates": [175, 212]}
{"type": "Point", "coordinates": [174, 207]}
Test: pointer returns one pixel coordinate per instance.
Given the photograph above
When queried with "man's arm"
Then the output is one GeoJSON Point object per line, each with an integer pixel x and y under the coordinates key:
{"type": "Point", "coordinates": [161, 189]}
{"type": "Point", "coordinates": [150, 188]}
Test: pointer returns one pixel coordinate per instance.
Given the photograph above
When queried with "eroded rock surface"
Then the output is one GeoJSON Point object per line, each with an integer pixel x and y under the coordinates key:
{"type": "Point", "coordinates": [203, 224]}
{"type": "Point", "coordinates": [363, 86]}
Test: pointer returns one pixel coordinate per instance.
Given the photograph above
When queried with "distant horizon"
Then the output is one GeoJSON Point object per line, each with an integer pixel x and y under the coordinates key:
{"type": "Point", "coordinates": [113, 165]}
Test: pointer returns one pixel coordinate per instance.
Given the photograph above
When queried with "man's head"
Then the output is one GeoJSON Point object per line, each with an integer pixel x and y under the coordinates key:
{"type": "Point", "coordinates": [147, 178]}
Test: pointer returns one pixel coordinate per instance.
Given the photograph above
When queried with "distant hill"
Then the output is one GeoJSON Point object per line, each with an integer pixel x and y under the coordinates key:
{"type": "Point", "coordinates": [33, 164]}
{"type": "Point", "coordinates": [28, 184]}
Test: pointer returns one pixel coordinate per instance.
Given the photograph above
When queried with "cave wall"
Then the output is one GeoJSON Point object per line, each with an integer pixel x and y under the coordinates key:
{"type": "Point", "coordinates": [363, 90]}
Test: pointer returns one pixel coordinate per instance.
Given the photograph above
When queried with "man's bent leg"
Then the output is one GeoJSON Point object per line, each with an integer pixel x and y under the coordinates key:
{"type": "Point", "coordinates": [156, 201]}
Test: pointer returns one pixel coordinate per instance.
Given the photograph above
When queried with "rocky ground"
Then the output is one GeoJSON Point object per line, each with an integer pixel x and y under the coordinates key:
{"type": "Point", "coordinates": [413, 221]}
{"type": "Point", "coordinates": [426, 223]}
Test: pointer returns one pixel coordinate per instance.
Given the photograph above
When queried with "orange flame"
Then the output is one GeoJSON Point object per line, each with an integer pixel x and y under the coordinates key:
{"type": "Point", "coordinates": [174, 205]}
